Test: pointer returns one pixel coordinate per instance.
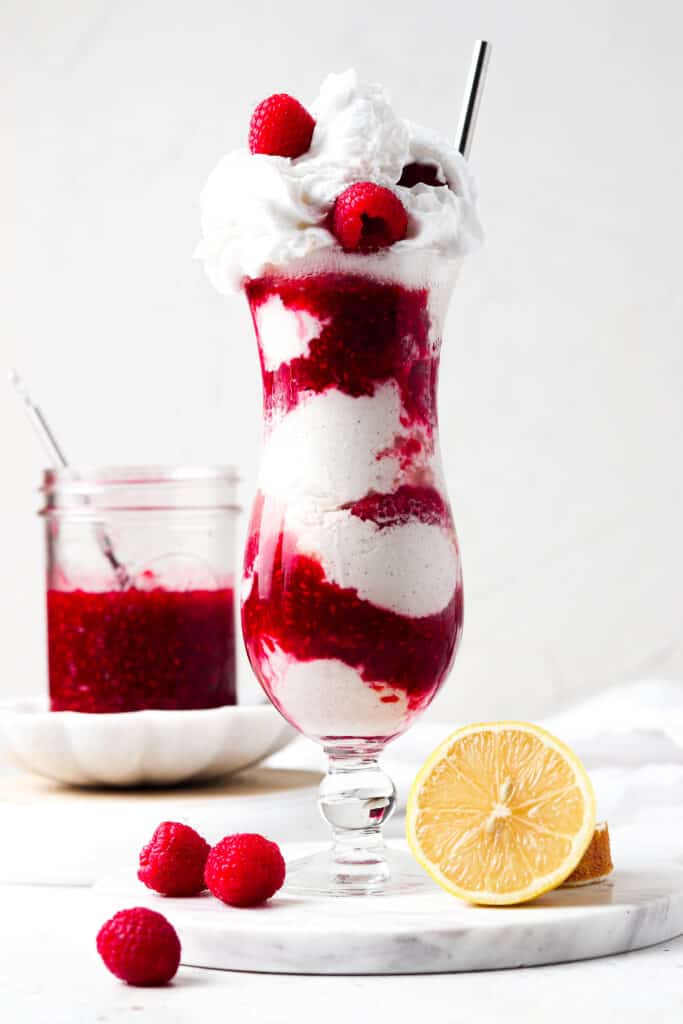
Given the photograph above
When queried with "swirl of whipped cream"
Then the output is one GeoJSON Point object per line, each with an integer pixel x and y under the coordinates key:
{"type": "Point", "coordinates": [260, 212]}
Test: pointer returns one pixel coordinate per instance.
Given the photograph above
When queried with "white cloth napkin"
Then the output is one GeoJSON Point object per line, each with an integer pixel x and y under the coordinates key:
{"type": "Point", "coordinates": [629, 737]}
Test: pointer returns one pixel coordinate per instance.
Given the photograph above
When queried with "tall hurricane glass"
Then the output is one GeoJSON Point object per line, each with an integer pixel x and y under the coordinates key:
{"type": "Point", "coordinates": [352, 599]}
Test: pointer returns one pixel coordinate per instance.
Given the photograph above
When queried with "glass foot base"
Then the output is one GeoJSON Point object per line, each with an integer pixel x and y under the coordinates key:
{"type": "Point", "coordinates": [392, 873]}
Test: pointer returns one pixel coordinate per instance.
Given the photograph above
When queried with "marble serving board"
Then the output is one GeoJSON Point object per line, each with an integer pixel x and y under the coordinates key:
{"type": "Point", "coordinates": [56, 835]}
{"type": "Point", "coordinates": [641, 904]}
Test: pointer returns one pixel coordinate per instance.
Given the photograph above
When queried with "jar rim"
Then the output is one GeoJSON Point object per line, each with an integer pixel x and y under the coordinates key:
{"type": "Point", "coordinates": [77, 477]}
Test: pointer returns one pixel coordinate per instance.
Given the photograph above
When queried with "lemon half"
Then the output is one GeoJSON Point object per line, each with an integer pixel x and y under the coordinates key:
{"type": "Point", "coordinates": [500, 813]}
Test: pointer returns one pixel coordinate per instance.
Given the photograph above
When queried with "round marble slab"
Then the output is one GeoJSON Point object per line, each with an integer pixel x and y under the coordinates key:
{"type": "Point", "coordinates": [641, 904]}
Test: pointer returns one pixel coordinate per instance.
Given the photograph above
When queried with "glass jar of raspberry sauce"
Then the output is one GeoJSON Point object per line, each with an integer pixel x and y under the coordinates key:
{"type": "Point", "coordinates": [140, 571]}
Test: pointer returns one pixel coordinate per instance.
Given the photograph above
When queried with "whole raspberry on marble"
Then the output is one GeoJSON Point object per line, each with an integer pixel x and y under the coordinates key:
{"type": "Point", "coordinates": [367, 217]}
{"type": "Point", "coordinates": [174, 859]}
{"type": "Point", "coordinates": [280, 126]}
{"type": "Point", "coordinates": [245, 870]}
{"type": "Point", "coordinates": [139, 946]}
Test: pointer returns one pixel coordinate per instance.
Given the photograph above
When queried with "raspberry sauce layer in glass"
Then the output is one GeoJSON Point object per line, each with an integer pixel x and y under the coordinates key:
{"type": "Point", "coordinates": [352, 594]}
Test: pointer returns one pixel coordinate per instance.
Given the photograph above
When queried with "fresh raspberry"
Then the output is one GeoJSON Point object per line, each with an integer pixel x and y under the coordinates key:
{"type": "Point", "coordinates": [280, 126]}
{"type": "Point", "coordinates": [139, 946]}
{"type": "Point", "coordinates": [413, 174]}
{"type": "Point", "coordinates": [174, 859]}
{"type": "Point", "coordinates": [366, 217]}
{"type": "Point", "coordinates": [245, 870]}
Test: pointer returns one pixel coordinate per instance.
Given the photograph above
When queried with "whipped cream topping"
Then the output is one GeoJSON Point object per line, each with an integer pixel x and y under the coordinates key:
{"type": "Point", "coordinates": [262, 212]}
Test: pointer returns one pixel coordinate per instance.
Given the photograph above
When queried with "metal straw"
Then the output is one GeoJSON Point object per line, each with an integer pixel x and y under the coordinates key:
{"type": "Point", "coordinates": [57, 458]}
{"type": "Point", "coordinates": [475, 86]}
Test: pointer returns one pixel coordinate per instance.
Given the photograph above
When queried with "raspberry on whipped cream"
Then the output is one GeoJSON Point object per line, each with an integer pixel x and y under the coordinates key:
{"type": "Point", "coordinates": [367, 217]}
{"type": "Point", "coordinates": [260, 212]}
{"type": "Point", "coordinates": [280, 126]}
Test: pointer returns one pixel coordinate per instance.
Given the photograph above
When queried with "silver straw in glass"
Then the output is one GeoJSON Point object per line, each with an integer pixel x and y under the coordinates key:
{"type": "Point", "coordinates": [475, 86]}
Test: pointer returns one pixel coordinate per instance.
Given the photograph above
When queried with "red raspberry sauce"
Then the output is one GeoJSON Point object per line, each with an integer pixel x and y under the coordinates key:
{"type": "Point", "coordinates": [308, 617]}
{"type": "Point", "coordinates": [126, 650]}
{"type": "Point", "coordinates": [409, 501]}
{"type": "Point", "coordinates": [373, 332]}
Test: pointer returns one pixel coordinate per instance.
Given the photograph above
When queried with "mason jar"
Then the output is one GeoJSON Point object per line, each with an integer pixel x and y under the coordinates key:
{"type": "Point", "coordinates": [140, 587]}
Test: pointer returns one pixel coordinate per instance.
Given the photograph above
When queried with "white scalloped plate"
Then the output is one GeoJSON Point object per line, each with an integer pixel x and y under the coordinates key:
{"type": "Point", "coordinates": [137, 748]}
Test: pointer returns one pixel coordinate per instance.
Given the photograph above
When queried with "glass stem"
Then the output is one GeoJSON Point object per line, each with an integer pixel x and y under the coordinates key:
{"type": "Point", "coordinates": [356, 799]}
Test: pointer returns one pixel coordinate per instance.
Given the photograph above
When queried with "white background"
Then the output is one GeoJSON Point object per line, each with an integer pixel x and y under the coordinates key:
{"type": "Point", "coordinates": [561, 388]}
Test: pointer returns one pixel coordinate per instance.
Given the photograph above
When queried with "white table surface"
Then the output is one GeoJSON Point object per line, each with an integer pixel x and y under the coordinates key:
{"type": "Point", "coordinates": [50, 970]}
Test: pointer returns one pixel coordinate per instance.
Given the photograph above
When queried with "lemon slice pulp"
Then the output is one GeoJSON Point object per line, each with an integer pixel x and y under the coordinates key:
{"type": "Point", "coordinates": [500, 813]}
